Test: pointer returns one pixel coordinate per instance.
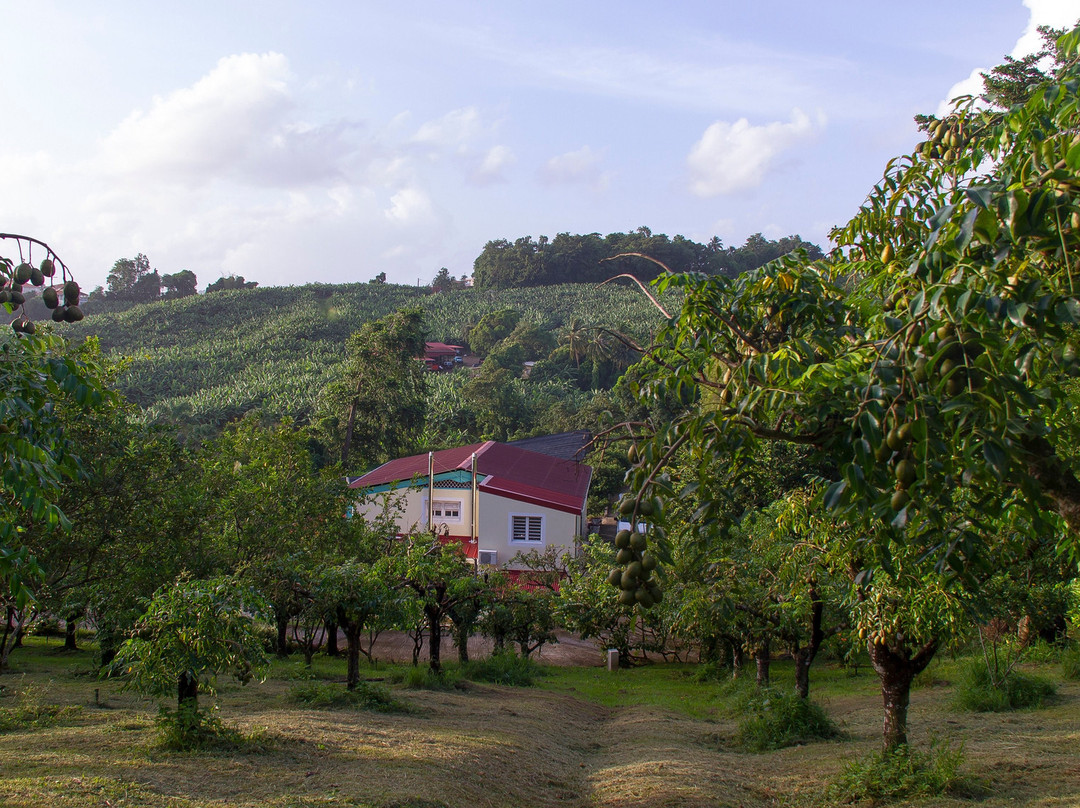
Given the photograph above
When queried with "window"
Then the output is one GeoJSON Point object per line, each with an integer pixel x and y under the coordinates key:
{"type": "Point", "coordinates": [446, 510]}
{"type": "Point", "coordinates": [525, 528]}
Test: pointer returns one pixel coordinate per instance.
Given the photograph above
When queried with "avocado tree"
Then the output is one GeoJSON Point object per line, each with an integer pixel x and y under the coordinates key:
{"type": "Point", "coordinates": [36, 373]}
{"type": "Point", "coordinates": [926, 357]}
{"type": "Point", "coordinates": [192, 631]}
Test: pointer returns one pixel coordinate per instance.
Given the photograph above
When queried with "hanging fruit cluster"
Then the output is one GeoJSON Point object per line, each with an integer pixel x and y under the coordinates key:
{"type": "Point", "coordinates": [634, 575]}
{"type": "Point", "coordinates": [61, 295]}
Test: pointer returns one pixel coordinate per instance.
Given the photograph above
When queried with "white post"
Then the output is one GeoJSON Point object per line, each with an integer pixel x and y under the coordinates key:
{"type": "Point", "coordinates": [613, 659]}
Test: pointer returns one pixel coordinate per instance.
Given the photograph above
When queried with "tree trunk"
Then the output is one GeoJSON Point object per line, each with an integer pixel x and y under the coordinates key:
{"type": "Point", "coordinates": [434, 638]}
{"type": "Point", "coordinates": [896, 668]}
{"type": "Point", "coordinates": [346, 444]}
{"type": "Point", "coordinates": [70, 624]}
{"type": "Point", "coordinates": [763, 657]}
{"type": "Point", "coordinates": [332, 639]}
{"type": "Point", "coordinates": [282, 643]}
{"type": "Point", "coordinates": [352, 654]}
{"type": "Point", "coordinates": [187, 692]}
{"type": "Point", "coordinates": [804, 656]}
{"type": "Point", "coordinates": [462, 639]}
{"type": "Point", "coordinates": [736, 660]}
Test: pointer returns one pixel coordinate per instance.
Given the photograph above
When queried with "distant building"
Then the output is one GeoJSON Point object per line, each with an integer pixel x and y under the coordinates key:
{"type": "Point", "coordinates": [497, 499]}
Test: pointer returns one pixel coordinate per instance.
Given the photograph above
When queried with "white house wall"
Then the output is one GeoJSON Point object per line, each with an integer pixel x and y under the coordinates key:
{"type": "Point", "coordinates": [560, 529]}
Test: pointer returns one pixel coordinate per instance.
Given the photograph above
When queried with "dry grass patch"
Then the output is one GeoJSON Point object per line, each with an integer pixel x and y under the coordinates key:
{"type": "Point", "coordinates": [491, 746]}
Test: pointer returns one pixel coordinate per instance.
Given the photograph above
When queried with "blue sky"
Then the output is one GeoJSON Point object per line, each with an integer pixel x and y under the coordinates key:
{"type": "Point", "coordinates": [328, 141]}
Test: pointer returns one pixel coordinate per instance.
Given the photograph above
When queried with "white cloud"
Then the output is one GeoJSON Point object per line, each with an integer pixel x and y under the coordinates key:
{"type": "Point", "coordinates": [410, 206]}
{"type": "Point", "coordinates": [200, 131]}
{"type": "Point", "coordinates": [490, 168]}
{"type": "Point", "coordinates": [580, 167]}
{"type": "Point", "coordinates": [454, 130]}
{"type": "Point", "coordinates": [1054, 13]}
{"type": "Point", "coordinates": [736, 156]}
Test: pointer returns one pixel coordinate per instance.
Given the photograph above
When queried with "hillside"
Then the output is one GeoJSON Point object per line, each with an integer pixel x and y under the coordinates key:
{"type": "Point", "coordinates": [210, 358]}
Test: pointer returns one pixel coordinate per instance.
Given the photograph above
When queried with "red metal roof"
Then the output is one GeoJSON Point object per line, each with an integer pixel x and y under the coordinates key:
{"type": "Point", "coordinates": [507, 471]}
{"type": "Point", "coordinates": [468, 546]}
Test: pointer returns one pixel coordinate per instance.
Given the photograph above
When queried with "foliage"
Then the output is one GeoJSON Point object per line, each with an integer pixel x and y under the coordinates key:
{"type": "Point", "coordinates": [365, 696]}
{"type": "Point", "coordinates": [775, 719]}
{"type": "Point", "coordinates": [204, 360]}
{"type": "Point", "coordinates": [375, 410]}
{"type": "Point", "coordinates": [38, 374]}
{"type": "Point", "coordinates": [192, 631]}
{"type": "Point", "coordinates": [1070, 662]}
{"type": "Point", "coordinates": [899, 773]}
{"type": "Point", "coordinates": [927, 354]}
{"type": "Point", "coordinates": [587, 258]}
{"type": "Point", "coordinates": [503, 668]}
{"type": "Point", "coordinates": [981, 689]}
{"type": "Point", "coordinates": [31, 712]}
{"type": "Point", "coordinates": [424, 678]}
{"type": "Point", "coordinates": [229, 282]}
{"type": "Point", "coordinates": [187, 729]}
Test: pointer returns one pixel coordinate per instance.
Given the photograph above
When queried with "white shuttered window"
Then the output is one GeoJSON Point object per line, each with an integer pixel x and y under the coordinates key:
{"type": "Point", "coordinates": [526, 528]}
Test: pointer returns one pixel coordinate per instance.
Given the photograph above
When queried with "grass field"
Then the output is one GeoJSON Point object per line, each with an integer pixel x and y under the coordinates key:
{"type": "Point", "coordinates": [651, 736]}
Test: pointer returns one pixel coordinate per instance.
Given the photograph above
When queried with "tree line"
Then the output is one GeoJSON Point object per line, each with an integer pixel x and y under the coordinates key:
{"type": "Point", "coordinates": [590, 258]}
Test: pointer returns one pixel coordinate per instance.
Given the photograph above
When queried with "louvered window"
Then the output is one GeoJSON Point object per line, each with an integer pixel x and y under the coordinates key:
{"type": "Point", "coordinates": [525, 528]}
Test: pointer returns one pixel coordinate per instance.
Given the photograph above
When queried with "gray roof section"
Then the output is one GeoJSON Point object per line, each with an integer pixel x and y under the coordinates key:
{"type": "Point", "coordinates": [565, 445]}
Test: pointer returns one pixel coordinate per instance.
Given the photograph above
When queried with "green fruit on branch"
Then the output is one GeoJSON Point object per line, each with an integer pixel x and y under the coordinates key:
{"type": "Point", "coordinates": [638, 541]}
{"type": "Point", "coordinates": [23, 272]}
{"type": "Point", "coordinates": [622, 539]}
{"type": "Point", "coordinates": [71, 293]}
{"type": "Point", "coordinates": [48, 268]}
{"type": "Point", "coordinates": [624, 556]}
{"type": "Point", "coordinates": [615, 577]}
{"type": "Point", "coordinates": [50, 298]}
{"type": "Point", "coordinates": [58, 314]}
{"type": "Point", "coordinates": [905, 473]}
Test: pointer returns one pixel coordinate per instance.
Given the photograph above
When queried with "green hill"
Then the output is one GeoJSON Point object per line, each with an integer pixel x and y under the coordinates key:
{"type": "Point", "coordinates": [209, 358]}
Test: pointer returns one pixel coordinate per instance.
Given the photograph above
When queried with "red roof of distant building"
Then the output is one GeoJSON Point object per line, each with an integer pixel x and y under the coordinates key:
{"type": "Point", "coordinates": [468, 546]}
{"type": "Point", "coordinates": [507, 471]}
{"type": "Point", "coordinates": [442, 349]}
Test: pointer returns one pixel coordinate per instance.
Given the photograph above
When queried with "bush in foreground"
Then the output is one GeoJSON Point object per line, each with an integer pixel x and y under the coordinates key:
{"type": "Point", "coordinates": [366, 696]}
{"type": "Point", "coordinates": [505, 668]}
{"type": "Point", "coordinates": [980, 692]}
{"type": "Point", "coordinates": [899, 773]}
{"type": "Point", "coordinates": [777, 719]}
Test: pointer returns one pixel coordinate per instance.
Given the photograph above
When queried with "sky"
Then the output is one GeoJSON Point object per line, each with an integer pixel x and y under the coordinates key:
{"type": "Point", "coordinates": [326, 142]}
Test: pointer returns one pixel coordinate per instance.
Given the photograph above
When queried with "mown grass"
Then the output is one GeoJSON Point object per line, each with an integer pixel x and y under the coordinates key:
{"type": "Point", "coordinates": [653, 735]}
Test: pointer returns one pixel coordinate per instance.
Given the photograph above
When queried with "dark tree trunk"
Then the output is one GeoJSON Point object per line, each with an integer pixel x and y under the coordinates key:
{"type": "Point", "coordinates": [352, 654]}
{"type": "Point", "coordinates": [804, 656]}
{"type": "Point", "coordinates": [763, 657]}
{"type": "Point", "coordinates": [19, 632]}
{"type": "Point", "coordinates": [187, 692]}
{"type": "Point", "coordinates": [434, 620]}
{"type": "Point", "coordinates": [332, 639]}
{"type": "Point", "coordinates": [350, 424]}
{"type": "Point", "coordinates": [896, 668]}
{"type": "Point", "coordinates": [70, 625]}
{"type": "Point", "coordinates": [736, 660]}
{"type": "Point", "coordinates": [462, 639]}
{"type": "Point", "coordinates": [282, 644]}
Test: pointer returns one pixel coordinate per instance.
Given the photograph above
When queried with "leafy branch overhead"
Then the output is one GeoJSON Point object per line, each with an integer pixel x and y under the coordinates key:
{"type": "Point", "coordinates": [927, 355]}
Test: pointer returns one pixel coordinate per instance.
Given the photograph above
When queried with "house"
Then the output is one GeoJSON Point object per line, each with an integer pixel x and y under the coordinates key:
{"type": "Point", "coordinates": [442, 356]}
{"type": "Point", "coordinates": [497, 499]}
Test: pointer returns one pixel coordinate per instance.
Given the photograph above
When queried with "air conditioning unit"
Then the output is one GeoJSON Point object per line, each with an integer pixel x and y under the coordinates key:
{"type": "Point", "coordinates": [489, 557]}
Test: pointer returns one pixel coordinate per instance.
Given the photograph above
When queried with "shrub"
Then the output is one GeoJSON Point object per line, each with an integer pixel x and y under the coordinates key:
{"type": "Point", "coordinates": [505, 668]}
{"type": "Point", "coordinates": [777, 719]}
{"type": "Point", "coordinates": [366, 696]}
{"type": "Point", "coordinates": [979, 692]}
{"type": "Point", "coordinates": [189, 729]}
{"type": "Point", "coordinates": [899, 773]}
{"type": "Point", "coordinates": [423, 678]}
{"type": "Point", "coordinates": [1070, 662]}
{"type": "Point", "coordinates": [30, 713]}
